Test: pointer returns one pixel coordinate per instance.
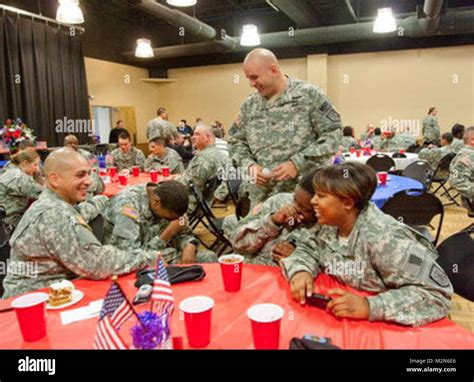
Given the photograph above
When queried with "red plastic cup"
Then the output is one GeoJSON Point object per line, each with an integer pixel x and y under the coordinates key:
{"type": "Point", "coordinates": [123, 180]}
{"type": "Point", "coordinates": [135, 171]}
{"type": "Point", "coordinates": [165, 171]}
{"type": "Point", "coordinates": [358, 152]}
{"type": "Point", "coordinates": [382, 178]}
{"type": "Point", "coordinates": [266, 322]}
{"type": "Point", "coordinates": [197, 318]}
{"type": "Point", "coordinates": [30, 311]}
{"type": "Point", "coordinates": [352, 150]}
{"type": "Point", "coordinates": [177, 343]}
{"type": "Point", "coordinates": [231, 268]}
{"type": "Point", "coordinates": [112, 172]}
{"type": "Point", "coordinates": [154, 176]}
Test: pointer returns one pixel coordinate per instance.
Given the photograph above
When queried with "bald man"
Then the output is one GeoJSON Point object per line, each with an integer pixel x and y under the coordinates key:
{"type": "Point", "coordinates": [207, 164]}
{"type": "Point", "coordinates": [97, 185]}
{"type": "Point", "coordinates": [53, 240]}
{"type": "Point", "coordinates": [287, 128]}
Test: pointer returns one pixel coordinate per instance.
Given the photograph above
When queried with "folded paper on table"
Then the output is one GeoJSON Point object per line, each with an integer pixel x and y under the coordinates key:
{"type": "Point", "coordinates": [84, 313]}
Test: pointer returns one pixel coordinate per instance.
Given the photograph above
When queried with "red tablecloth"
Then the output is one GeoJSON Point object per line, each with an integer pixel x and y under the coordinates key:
{"type": "Point", "coordinates": [114, 188]}
{"type": "Point", "coordinates": [230, 325]}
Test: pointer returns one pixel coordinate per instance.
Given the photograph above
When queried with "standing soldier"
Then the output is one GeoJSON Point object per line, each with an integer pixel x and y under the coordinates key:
{"type": "Point", "coordinates": [160, 127]}
{"type": "Point", "coordinates": [431, 132]}
{"type": "Point", "coordinates": [286, 129]}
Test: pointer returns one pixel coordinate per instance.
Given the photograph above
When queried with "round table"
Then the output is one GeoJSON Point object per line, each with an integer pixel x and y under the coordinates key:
{"type": "Point", "coordinates": [111, 189]}
{"type": "Point", "coordinates": [400, 163]}
{"type": "Point", "coordinates": [230, 325]}
{"type": "Point", "coordinates": [394, 184]}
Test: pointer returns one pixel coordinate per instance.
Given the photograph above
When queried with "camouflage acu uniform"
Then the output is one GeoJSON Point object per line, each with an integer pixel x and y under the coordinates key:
{"type": "Point", "coordinates": [461, 173]}
{"type": "Point", "coordinates": [376, 142]}
{"type": "Point", "coordinates": [123, 161]}
{"type": "Point", "coordinates": [256, 235]}
{"type": "Point", "coordinates": [207, 164]}
{"type": "Point", "coordinates": [393, 260]}
{"type": "Point", "coordinates": [430, 130]}
{"type": "Point", "coordinates": [171, 159]}
{"type": "Point", "coordinates": [56, 242]}
{"type": "Point", "coordinates": [434, 155]}
{"type": "Point", "coordinates": [130, 224]}
{"type": "Point", "coordinates": [397, 142]}
{"type": "Point", "coordinates": [17, 191]}
{"type": "Point", "coordinates": [457, 145]}
{"type": "Point", "coordinates": [159, 128]}
{"type": "Point", "coordinates": [301, 125]}
{"type": "Point", "coordinates": [347, 142]}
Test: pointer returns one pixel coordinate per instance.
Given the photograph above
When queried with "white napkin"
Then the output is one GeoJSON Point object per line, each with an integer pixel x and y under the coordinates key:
{"type": "Point", "coordinates": [84, 313]}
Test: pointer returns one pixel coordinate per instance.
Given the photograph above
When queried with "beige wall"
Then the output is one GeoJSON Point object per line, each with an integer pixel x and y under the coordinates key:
{"type": "Point", "coordinates": [367, 87]}
{"type": "Point", "coordinates": [119, 85]}
{"type": "Point", "coordinates": [403, 85]}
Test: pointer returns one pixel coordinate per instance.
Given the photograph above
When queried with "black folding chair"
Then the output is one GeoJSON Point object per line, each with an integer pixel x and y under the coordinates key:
{"type": "Point", "coordinates": [214, 225]}
{"type": "Point", "coordinates": [456, 257]}
{"type": "Point", "coordinates": [241, 202]}
{"type": "Point", "coordinates": [198, 214]}
{"type": "Point", "coordinates": [441, 176]}
{"type": "Point", "coordinates": [398, 155]}
{"type": "Point", "coordinates": [4, 245]}
{"type": "Point", "coordinates": [420, 171]}
{"type": "Point", "coordinates": [381, 162]}
{"type": "Point", "coordinates": [97, 226]}
{"type": "Point", "coordinates": [417, 209]}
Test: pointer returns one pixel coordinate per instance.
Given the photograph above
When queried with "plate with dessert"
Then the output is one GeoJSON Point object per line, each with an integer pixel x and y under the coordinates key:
{"type": "Point", "coordinates": [63, 294]}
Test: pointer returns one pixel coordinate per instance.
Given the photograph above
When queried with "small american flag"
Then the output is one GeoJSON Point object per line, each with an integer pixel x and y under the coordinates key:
{"type": "Point", "coordinates": [162, 301]}
{"type": "Point", "coordinates": [115, 311]}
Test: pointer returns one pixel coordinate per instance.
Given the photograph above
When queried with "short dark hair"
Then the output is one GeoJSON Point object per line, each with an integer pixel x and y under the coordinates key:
{"type": "Point", "coordinates": [431, 110]}
{"type": "Point", "coordinates": [347, 132]}
{"type": "Point", "coordinates": [377, 131]}
{"type": "Point", "coordinates": [119, 121]}
{"type": "Point", "coordinates": [174, 196]}
{"type": "Point", "coordinates": [458, 130]}
{"type": "Point", "coordinates": [158, 141]}
{"type": "Point", "coordinates": [124, 135]}
{"type": "Point", "coordinates": [352, 180]}
{"type": "Point", "coordinates": [306, 181]}
{"type": "Point", "coordinates": [448, 137]}
{"type": "Point", "coordinates": [183, 120]}
{"type": "Point", "coordinates": [25, 144]}
{"type": "Point", "coordinates": [160, 111]}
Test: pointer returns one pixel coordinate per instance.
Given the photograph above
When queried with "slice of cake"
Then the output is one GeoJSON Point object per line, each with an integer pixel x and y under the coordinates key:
{"type": "Point", "coordinates": [60, 293]}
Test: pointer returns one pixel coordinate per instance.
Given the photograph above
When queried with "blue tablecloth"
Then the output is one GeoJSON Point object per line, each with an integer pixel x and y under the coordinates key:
{"type": "Point", "coordinates": [394, 184]}
{"type": "Point", "coordinates": [3, 163]}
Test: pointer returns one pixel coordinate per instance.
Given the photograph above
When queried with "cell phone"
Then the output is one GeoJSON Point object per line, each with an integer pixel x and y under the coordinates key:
{"type": "Point", "coordinates": [318, 300]}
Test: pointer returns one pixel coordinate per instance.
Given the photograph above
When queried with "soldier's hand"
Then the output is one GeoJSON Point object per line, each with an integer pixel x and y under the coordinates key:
{"type": "Point", "coordinates": [285, 171]}
{"type": "Point", "coordinates": [282, 250]}
{"type": "Point", "coordinates": [189, 254]}
{"type": "Point", "coordinates": [256, 171]}
{"type": "Point", "coordinates": [348, 305]}
{"type": "Point", "coordinates": [288, 216]}
{"type": "Point", "coordinates": [302, 286]}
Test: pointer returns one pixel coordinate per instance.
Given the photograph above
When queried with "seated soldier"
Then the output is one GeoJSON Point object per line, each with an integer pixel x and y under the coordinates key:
{"type": "Point", "coordinates": [30, 146]}
{"type": "Point", "coordinates": [433, 154]}
{"type": "Point", "coordinates": [272, 230]}
{"type": "Point", "coordinates": [396, 142]}
{"type": "Point", "coordinates": [162, 156]}
{"type": "Point", "coordinates": [458, 137]}
{"type": "Point", "coordinates": [152, 217]}
{"type": "Point", "coordinates": [125, 156]}
{"type": "Point", "coordinates": [207, 164]}
{"type": "Point", "coordinates": [54, 238]}
{"type": "Point", "coordinates": [368, 250]}
{"type": "Point", "coordinates": [348, 139]}
{"type": "Point", "coordinates": [97, 186]}
{"type": "Point", "coordinates": [461, 171]}
{"type": "Point", "coordinates": [17, 186]}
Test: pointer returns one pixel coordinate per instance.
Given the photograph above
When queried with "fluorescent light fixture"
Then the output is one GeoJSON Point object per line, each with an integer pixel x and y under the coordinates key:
{"type": "Point", "coordinates": [69, 12]}
{"type": "Point", "coordinates": [385, 22]}
{"type": "Point", "coordinates": [250, 36]}
{"type": "Point", "coordinates": [144, 49]}
{"type": "Point", "coordinates": [181, 3]}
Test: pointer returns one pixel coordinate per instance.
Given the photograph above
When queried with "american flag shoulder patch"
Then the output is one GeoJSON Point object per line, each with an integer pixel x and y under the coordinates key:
{"type": "Point", "coordinates": [129, 212]}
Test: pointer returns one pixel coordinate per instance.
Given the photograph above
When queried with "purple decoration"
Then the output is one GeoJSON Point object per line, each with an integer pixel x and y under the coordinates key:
{"type": "Point", "coordinates": [151, 332]}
